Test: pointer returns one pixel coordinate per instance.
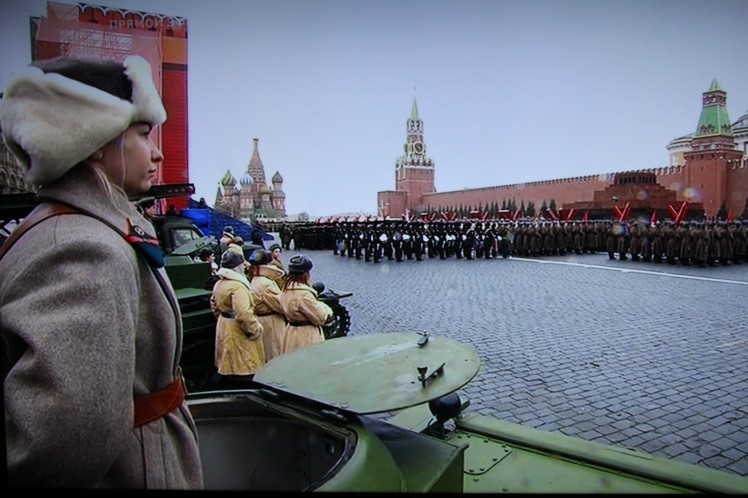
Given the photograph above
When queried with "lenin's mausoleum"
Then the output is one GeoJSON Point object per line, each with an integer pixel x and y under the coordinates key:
{"type": "Point", "coordinates": [708, 168]}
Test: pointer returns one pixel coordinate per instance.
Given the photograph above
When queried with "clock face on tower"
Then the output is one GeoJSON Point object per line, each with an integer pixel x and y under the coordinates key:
{"type": "Point", "coordinates": [419, 148]}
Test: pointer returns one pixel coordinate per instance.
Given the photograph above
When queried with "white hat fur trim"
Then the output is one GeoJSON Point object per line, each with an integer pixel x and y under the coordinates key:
{"type": "Point", "coordinates": [51, 122]}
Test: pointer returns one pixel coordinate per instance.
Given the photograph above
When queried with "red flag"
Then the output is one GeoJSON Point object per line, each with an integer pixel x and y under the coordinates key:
{"type": "Point", "coordinates": [622, 214]}
{"type": "Point", "coordinates": [570, 215]}
{"type": "Point", "coordinates": [682, 211]}
{"type": "Point", "coordinates": [515, 216]}
{"type": "Point", "coordinates": [653, 218]}
{"type": "Point", "coordinates": [586, 216]}
{"type": "Point", "coordinates": [553, 214]}
{"type": "Point", "coordinates": [729, 216]}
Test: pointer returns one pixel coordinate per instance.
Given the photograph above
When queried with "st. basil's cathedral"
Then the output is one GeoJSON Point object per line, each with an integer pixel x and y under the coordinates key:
{"type": "Point", "coordinates": [251, 196]}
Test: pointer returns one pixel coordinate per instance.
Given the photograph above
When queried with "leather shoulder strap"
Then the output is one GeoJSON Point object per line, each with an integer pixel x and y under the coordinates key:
{"type": "Point", "coordinates": [39, 214]}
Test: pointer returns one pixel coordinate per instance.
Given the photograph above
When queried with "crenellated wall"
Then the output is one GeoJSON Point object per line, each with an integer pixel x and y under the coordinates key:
{"type": "Point", "coordinates": [581, 188]}
{"type": "Point", "coordinates": [562, 190]}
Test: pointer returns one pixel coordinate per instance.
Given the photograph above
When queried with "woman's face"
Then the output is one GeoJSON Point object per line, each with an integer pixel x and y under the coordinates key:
{"type": "Point", "coordinates": [132, 160]}
{"type": "Point", "coordinates": [276, 254]}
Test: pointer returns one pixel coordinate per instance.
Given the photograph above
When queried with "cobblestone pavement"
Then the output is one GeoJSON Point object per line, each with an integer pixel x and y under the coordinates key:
{"type": "Point", "coordinates": [646, 361]}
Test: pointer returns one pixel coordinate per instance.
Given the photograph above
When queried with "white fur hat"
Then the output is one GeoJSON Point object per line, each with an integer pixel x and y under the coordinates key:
{"type": "Point", "coordinates": [51, 122]}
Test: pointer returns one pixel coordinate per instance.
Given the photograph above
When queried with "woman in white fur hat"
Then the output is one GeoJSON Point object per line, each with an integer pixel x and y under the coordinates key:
{"type": "Point", "coordinates": [93, 392]}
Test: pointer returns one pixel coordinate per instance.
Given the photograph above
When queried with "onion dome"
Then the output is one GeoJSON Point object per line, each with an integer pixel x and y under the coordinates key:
{"type": "Point", "coordinates": [277, 178]}
{"type": "Point", "coordinates": [278, 194]}
{"type": "Point", "coordinates": [228, 179]}
{"type": "Point", "coordinates": [246, 179]}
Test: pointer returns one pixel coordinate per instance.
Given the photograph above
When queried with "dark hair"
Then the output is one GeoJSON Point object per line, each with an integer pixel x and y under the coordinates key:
{"type": "Point", "coordinates": [204, 254]}
{"type": "Point", "coordinates": [289, 278]}
{"type": "Point", "coordinates": [108, 76]}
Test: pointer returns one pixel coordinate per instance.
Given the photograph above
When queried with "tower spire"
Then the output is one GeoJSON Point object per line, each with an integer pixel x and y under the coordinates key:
{"type": "Point", "coordinates": [256, 169]}
{"type": "Point", "coordinates": [714, 119]}
{"type": "Point", "coordinates": [414, 110]}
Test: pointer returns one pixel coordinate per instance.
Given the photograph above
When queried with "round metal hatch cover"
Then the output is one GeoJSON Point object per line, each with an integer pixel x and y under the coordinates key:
{"type": "Point", "coordinates": [373, 373]}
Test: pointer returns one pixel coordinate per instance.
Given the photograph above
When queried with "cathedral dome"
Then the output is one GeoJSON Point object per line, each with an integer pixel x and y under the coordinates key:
{"type": "Point", "coordinates": [228, 179]}
{"type": "Point", "coordinates": [246, 179]}
{"type": "Point", "coordinates": [277, 178]}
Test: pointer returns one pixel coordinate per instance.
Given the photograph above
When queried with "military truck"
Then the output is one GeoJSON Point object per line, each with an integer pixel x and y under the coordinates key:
{"type": "Point", "coordinates": [315, 423]}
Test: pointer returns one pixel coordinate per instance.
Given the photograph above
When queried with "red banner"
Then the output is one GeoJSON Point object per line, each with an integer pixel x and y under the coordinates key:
{"type": "Point", "coordinates": [586, 216]}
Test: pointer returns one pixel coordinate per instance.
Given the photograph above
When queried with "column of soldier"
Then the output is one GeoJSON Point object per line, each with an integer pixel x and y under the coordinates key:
{"type": "Point", "coordinates": [687, 243]}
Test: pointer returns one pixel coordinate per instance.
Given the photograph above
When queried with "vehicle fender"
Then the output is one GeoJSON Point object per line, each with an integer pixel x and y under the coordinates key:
{"type": "Point", "coordinates": [637, 463]}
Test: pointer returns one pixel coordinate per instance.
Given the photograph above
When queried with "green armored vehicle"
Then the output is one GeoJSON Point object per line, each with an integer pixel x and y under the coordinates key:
{"type": "Point", "coordinates": [315, 423]}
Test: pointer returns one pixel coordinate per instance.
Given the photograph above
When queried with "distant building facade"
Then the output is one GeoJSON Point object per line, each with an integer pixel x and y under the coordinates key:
{"type": "Point", "coordinates": [708, 168]}
{"type": "Point", "coordinates": [11, 173]}
{"type": "Point", "coordinates": [251, 196]}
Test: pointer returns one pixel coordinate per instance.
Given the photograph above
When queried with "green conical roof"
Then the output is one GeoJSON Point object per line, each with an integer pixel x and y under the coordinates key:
{"type": "Point", "coordinates": [714, 119]}
{"type": "Point", "coordinates": [414, 111]}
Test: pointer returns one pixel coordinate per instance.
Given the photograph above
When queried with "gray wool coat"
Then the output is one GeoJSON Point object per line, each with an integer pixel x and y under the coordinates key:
{"type": "Point", "coordinates": [86, 327]}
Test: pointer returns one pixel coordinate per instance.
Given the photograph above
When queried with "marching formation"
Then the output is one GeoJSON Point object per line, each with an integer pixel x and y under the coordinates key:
{"type": "Point", "coordinates": [688, 243]}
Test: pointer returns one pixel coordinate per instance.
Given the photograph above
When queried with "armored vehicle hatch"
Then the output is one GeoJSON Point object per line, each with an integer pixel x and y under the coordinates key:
{"type": "Point", "coordinates": [373, 373]}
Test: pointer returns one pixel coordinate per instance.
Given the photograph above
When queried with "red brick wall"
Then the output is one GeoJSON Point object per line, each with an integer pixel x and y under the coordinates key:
{"type": "Point", "coordinates": [737, 188]}
{"type": "Point", "coordinates": [416, 182]}
{"type": "Point", "coordinates": [394, 203]}
{"type": "Point", "coordinates": [696, 182]}
{"type": "Point", "coordinates": [562, 191]}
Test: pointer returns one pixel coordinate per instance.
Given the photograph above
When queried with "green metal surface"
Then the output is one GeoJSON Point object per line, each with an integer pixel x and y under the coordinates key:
{"type": "Point", "coordinates": [372, 373]}
{"type": "Point", "coordinates": [371, 468]}
{"type": "Point", "coordinates": [190, 275]}
{"type": "Point", "coordinates": [614, 468]}
{"type": "Point", "coordinates": [190, 293]}
{"type": "Point", "coordinates": [714, 118]}
{"type": "Point", "coordinates": [495, 466]}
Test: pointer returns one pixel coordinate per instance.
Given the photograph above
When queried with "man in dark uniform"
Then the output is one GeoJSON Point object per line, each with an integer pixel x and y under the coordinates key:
{"type": "Point", "coordinates": [468, 243]}
{"type": "Point", "coordinates": [418, 242]}
{"type": "Point", "coordinates": [397, 242]}
{"type": "Point", "coordinates": [408, 237]}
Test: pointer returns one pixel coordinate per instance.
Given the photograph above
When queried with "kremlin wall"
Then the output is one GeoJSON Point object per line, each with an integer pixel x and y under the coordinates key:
{"type": "Point", "coordinates": [707, 168]}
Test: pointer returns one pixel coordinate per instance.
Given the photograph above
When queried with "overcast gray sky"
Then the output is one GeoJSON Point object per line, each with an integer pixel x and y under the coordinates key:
{"type": "Point", "coordinates": [509, 91]}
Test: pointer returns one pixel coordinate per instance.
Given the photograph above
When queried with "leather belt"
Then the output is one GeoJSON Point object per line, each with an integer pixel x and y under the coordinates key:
{"type": "Point", "coordinates": [153, 406]}
{"type": "Point", "coordinates": [228, 314]}
{"type": "Point", "coordinates": [299, 324]}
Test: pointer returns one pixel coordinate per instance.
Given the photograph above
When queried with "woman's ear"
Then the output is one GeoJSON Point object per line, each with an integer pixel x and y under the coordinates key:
{"type": "Point", "coordinates": [97, 156]}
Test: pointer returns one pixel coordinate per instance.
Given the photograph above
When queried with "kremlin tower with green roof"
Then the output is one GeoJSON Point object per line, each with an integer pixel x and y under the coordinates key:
{"type": "Point", "coordinates": [713, 154]}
